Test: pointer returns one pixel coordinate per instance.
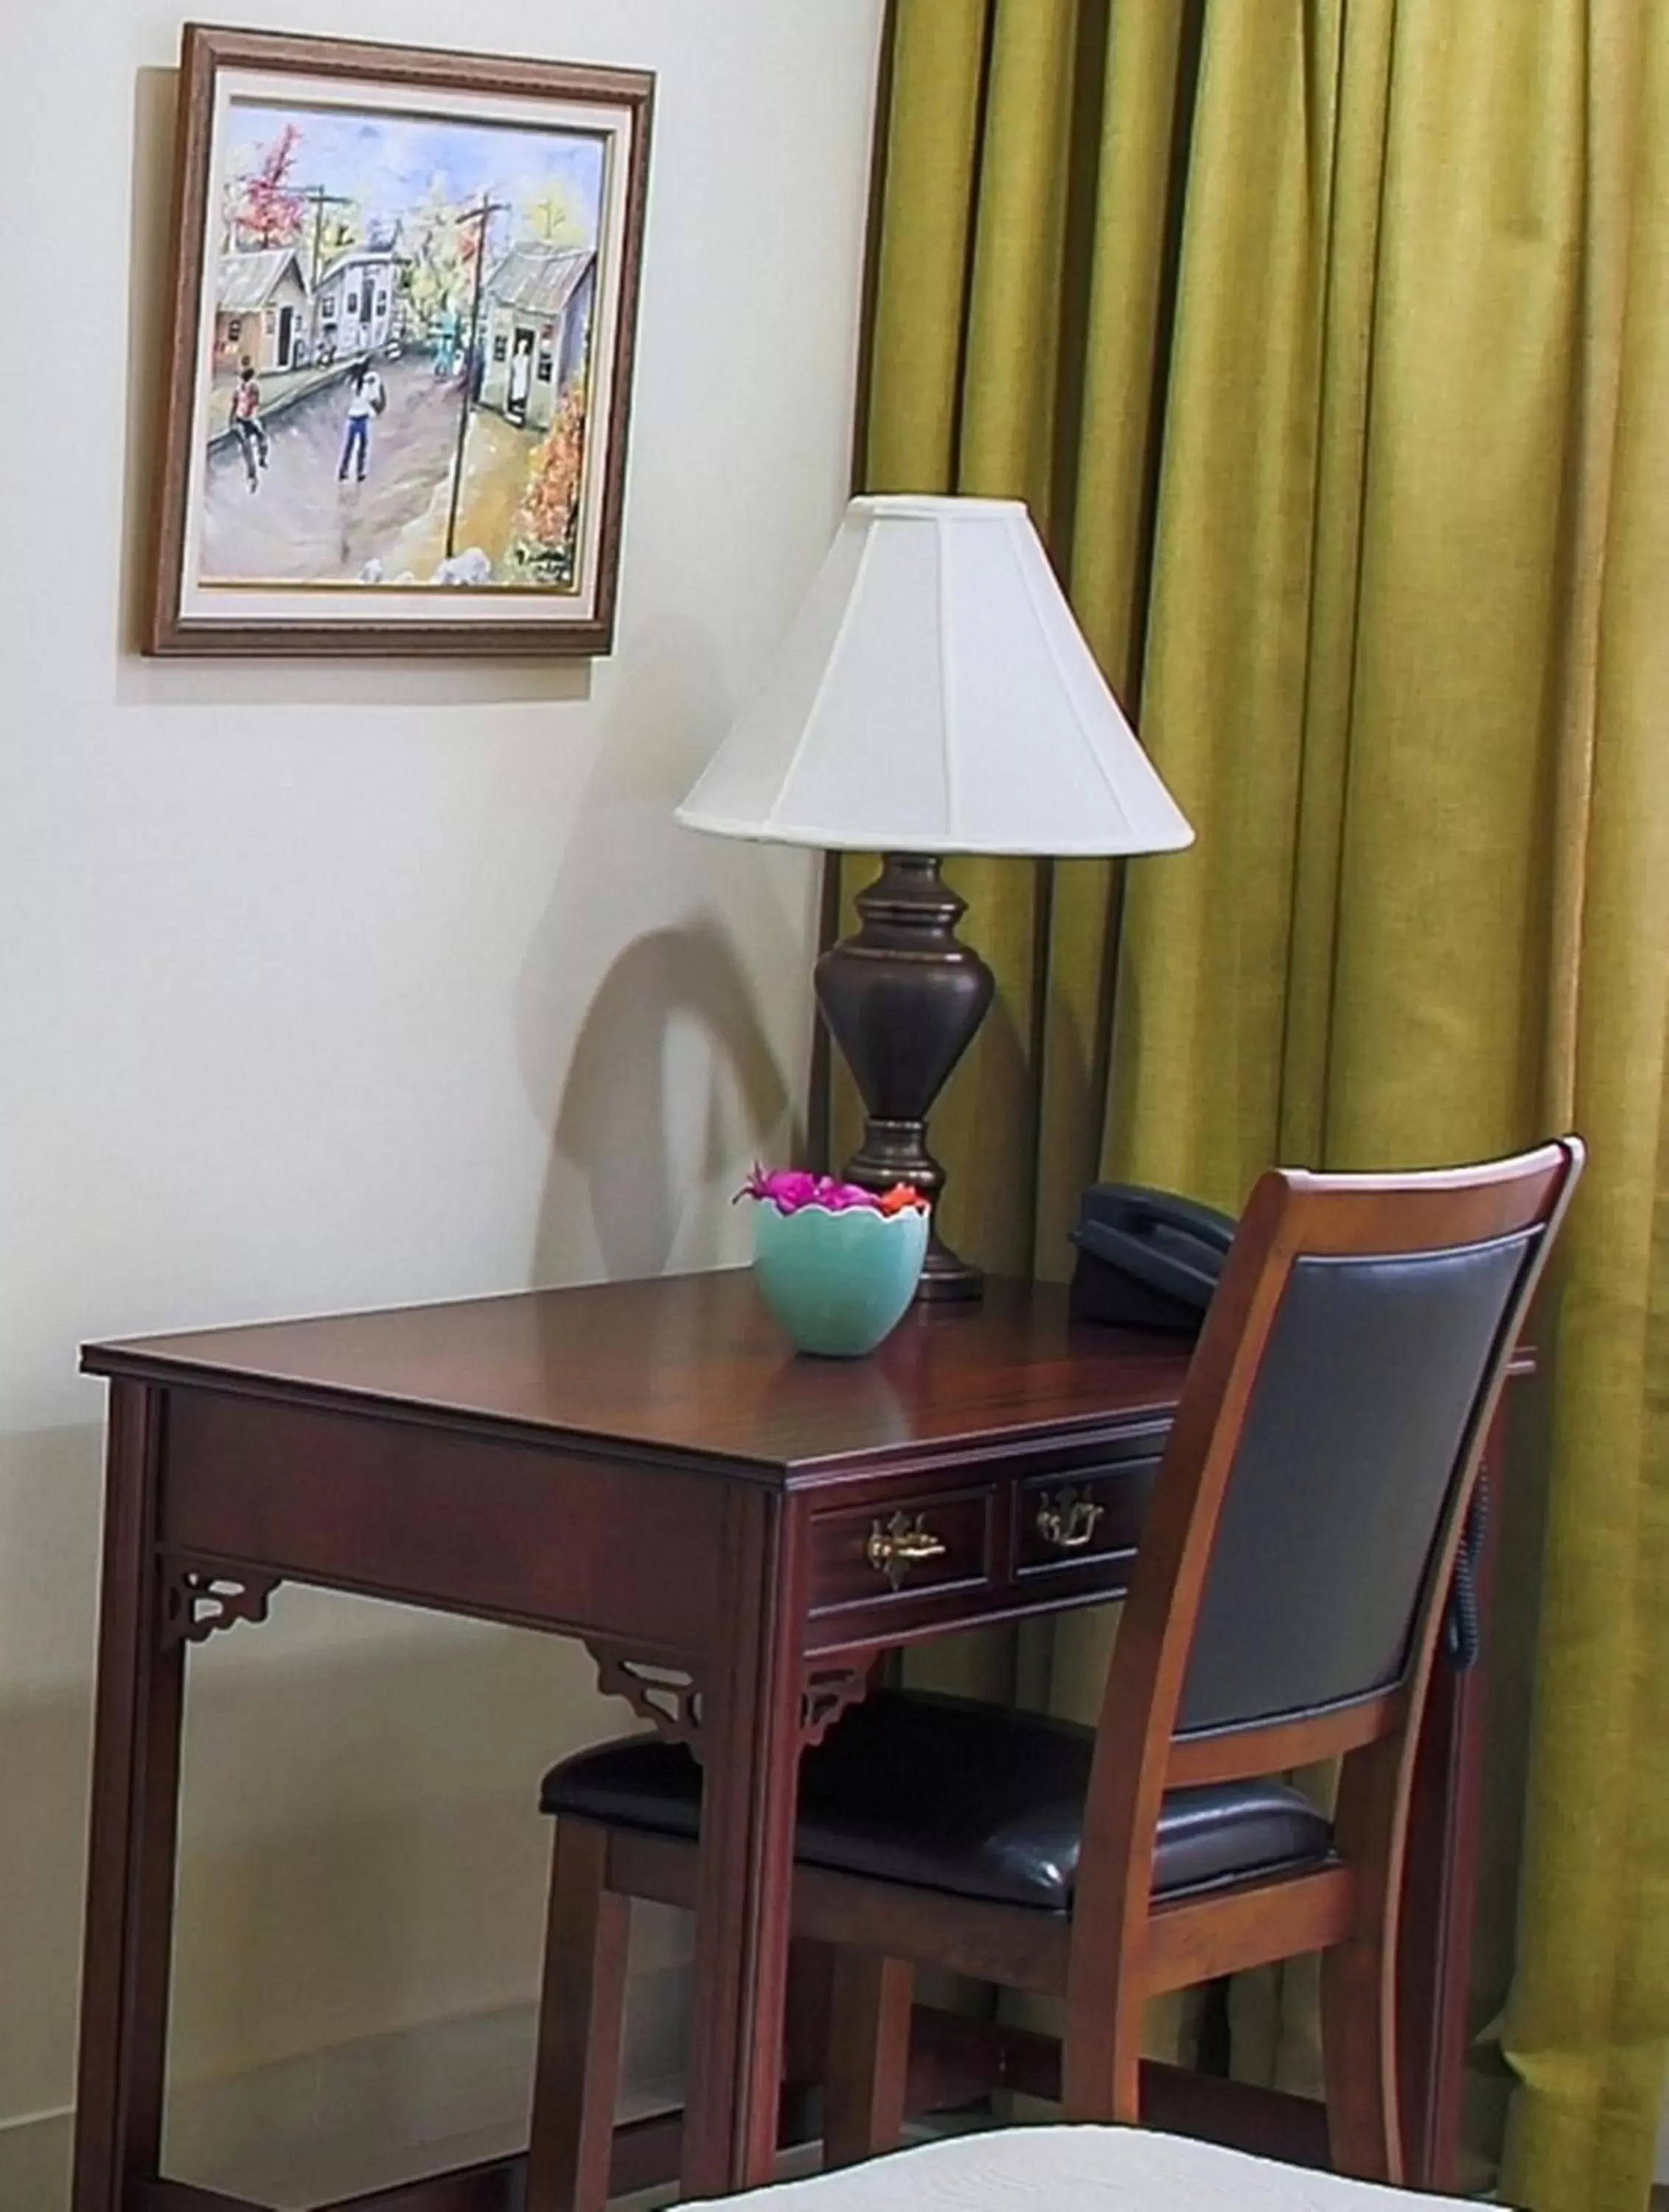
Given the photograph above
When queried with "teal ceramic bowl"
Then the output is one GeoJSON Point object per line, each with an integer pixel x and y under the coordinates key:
{"type": "Point", "coordinates": [838, 1282]}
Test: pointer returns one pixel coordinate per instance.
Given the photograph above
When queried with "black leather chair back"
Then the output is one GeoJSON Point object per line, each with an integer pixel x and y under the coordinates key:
{"type": "Point", "coordinates": [1367, 1399]}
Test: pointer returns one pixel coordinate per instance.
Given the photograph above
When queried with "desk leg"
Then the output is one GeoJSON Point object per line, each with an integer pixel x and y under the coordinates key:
{"type": "Point", "coordinates": [131, 1873]}
{"type": "Point", "coordinates": [751, 1744]}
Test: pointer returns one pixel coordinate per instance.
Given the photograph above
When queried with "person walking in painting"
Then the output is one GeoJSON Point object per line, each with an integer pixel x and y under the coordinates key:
{"type": "Point", "coordinates": [247, 427]}
{"type": "Point", "coordinates": [366, 396]}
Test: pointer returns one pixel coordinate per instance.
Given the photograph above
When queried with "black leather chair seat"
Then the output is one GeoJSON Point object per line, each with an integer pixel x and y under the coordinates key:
{"type": "Point", "coordinates": [950, 1794]}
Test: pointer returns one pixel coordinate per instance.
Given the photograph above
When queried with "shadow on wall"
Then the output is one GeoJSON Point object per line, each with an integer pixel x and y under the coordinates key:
{"type": "Point", "coordinates": [614, 1121]}
{"type": "Point", "coordinates": [661, 1070]}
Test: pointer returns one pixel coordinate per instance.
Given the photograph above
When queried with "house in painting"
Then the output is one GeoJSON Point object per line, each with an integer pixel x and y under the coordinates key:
{"type": "Point", "coordinates": [535, 312]}
{"type": "Point", "coordinates": [357, 307]}
{"type": "Point", "coordinates": [260, 310]}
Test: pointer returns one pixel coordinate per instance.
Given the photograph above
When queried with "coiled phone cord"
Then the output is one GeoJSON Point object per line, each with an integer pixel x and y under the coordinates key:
{"type": "Point", "coordinates": [1462, 1632]}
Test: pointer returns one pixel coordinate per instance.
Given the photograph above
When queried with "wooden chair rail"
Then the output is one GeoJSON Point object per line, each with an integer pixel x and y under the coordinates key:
{"type": "Point", "coordinates": [1014, 1944]}
{"type": "Point", "coordinates": [1240, 1754]}
{"type": "Point", "coordinates": [1193, 1940]}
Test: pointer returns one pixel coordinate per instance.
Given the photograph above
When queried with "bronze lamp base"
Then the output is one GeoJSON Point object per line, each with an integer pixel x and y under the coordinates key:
{"type": "Point", "coordinates": [903, 998]}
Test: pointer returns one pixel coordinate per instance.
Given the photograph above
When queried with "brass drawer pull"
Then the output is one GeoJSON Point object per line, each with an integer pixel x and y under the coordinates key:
{"type": "Point", "coordinates": [1067, 1521]}
{"type": "Point", "coordinates": [901, 1545]}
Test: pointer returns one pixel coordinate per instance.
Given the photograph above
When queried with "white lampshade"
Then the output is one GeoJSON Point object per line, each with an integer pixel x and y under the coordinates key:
{"type": "Point", "coordinates": [935, 695]}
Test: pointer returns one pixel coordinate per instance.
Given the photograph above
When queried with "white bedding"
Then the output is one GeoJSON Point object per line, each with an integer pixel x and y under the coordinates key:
{"type": "Point", "coordinates": [1046, 2169]}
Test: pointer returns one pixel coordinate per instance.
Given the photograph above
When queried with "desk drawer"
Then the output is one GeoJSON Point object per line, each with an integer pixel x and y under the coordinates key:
{"type": "Point", "coordinates": [921, 1545]}
{"type": "Point", "coordinates": [1062, 1521]}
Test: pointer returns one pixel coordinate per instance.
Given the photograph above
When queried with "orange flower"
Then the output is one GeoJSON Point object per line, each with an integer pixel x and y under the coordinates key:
{"type": "Point", "coordinates": [901, 1198]}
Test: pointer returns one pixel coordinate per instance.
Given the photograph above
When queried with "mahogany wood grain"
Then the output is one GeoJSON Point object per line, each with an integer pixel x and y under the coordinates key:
{"type": "Point", "coordinates": [1016, 1946]}
{"type": "Point", "coordinates": [1009, 1944]}
{"type": "Point", "coordinates": [1193, 1940]}
{"type": "Point", "coordinates": [869, 2054]}
{"type": "Point", "coordinates": [1012, 1945]}
{"type": "Point", "coordinates": [1116, 1495]}
{"type": "Point", "coordinates": [1284, 1744]}
{"type": "Point", "coordinates": [535, 1535]}
{"type": "Point", "coordinates": [750, 1728]}
{"type": "Point", "coordinates": [577, 2070]}
{"type": "Point", "coordinates": [503, 1457]}
{"type": "Point", "coordinates": [916, 1615]}
{"type": "Point", "coordinates": [1120, 1946]}
{"type": "Point", "coordinates": [694, 1369]}
{"type": "Point", "coordinates": [843, 1574]}
{"type": "Point", "coordinates": [133, 1830]}
{"type": "Point", "coordinates": [1433, 1965]}
{"type": "Point", "coordinates": [1358, 1998]}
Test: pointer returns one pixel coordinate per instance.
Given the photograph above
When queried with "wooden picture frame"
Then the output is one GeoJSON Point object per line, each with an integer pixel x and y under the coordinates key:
{"type": "Point", "coordinates": [398, 389]}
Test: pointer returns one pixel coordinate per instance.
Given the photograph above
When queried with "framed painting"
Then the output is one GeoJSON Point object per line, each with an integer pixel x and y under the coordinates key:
{"type": "Point", "coordinates": [400, 354]}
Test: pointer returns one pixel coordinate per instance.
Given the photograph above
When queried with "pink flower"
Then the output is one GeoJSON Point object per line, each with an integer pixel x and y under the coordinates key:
{"type": "Point", "coordinates": [787, 1189]}
{"type": "Point", "coordinates": [790, 1188]}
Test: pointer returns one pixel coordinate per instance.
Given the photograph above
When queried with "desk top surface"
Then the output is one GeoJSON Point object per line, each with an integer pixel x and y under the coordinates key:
{"type": "Point", "coordinates": [692, 1365]}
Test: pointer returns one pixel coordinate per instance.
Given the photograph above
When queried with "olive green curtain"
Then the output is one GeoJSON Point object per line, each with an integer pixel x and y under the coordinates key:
{"type": "Point", "coordinates": [1328, 339]}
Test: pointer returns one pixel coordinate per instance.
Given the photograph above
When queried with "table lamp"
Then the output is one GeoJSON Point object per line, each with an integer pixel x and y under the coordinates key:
{"type": "Point", "coordinates": [934, 695]}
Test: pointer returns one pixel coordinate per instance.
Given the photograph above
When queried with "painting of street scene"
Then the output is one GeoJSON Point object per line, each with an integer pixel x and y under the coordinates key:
{"type": "Point", "coordinates": [399, 350]}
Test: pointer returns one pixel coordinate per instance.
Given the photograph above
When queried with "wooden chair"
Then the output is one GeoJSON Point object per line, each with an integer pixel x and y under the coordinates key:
{"type": "Point", "coordinates": [1284, 1609]}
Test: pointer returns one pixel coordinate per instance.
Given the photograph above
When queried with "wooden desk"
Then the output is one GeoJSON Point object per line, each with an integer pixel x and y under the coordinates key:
{"type": "Point", "coordinates": [643, 1466]}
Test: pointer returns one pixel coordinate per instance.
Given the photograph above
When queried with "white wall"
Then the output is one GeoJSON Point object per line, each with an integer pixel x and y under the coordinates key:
{"type": "Point", "coordinates": [328, 985]}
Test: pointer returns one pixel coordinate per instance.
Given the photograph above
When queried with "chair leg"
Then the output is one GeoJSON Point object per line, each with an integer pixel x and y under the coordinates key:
{"type": "Point", "coordinates": [1358, 2062]}
{"type": "Point", "coordinates": [581, 2012]}
{"type": "Point", "coordinates": [1358, 1977]}
{"type": "Point", "coordinates": [1101, 2056]}
{"type": "Point", "coordinates": [868, 2056]}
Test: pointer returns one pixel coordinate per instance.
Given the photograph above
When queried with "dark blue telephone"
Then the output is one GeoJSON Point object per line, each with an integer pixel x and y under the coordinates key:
{"type": "Point", "coordinates": [1146, 1258]}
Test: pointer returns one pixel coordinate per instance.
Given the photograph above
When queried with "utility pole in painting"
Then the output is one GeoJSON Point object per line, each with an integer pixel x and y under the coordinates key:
{"type": "Point", "coordinates": [317, 199]}
{"type": "Point", "coordinates": [484, 215]}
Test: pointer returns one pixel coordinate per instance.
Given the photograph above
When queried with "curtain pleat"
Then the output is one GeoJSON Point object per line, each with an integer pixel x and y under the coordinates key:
{"type": "Point", "coordinates": [1588, 2019]}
